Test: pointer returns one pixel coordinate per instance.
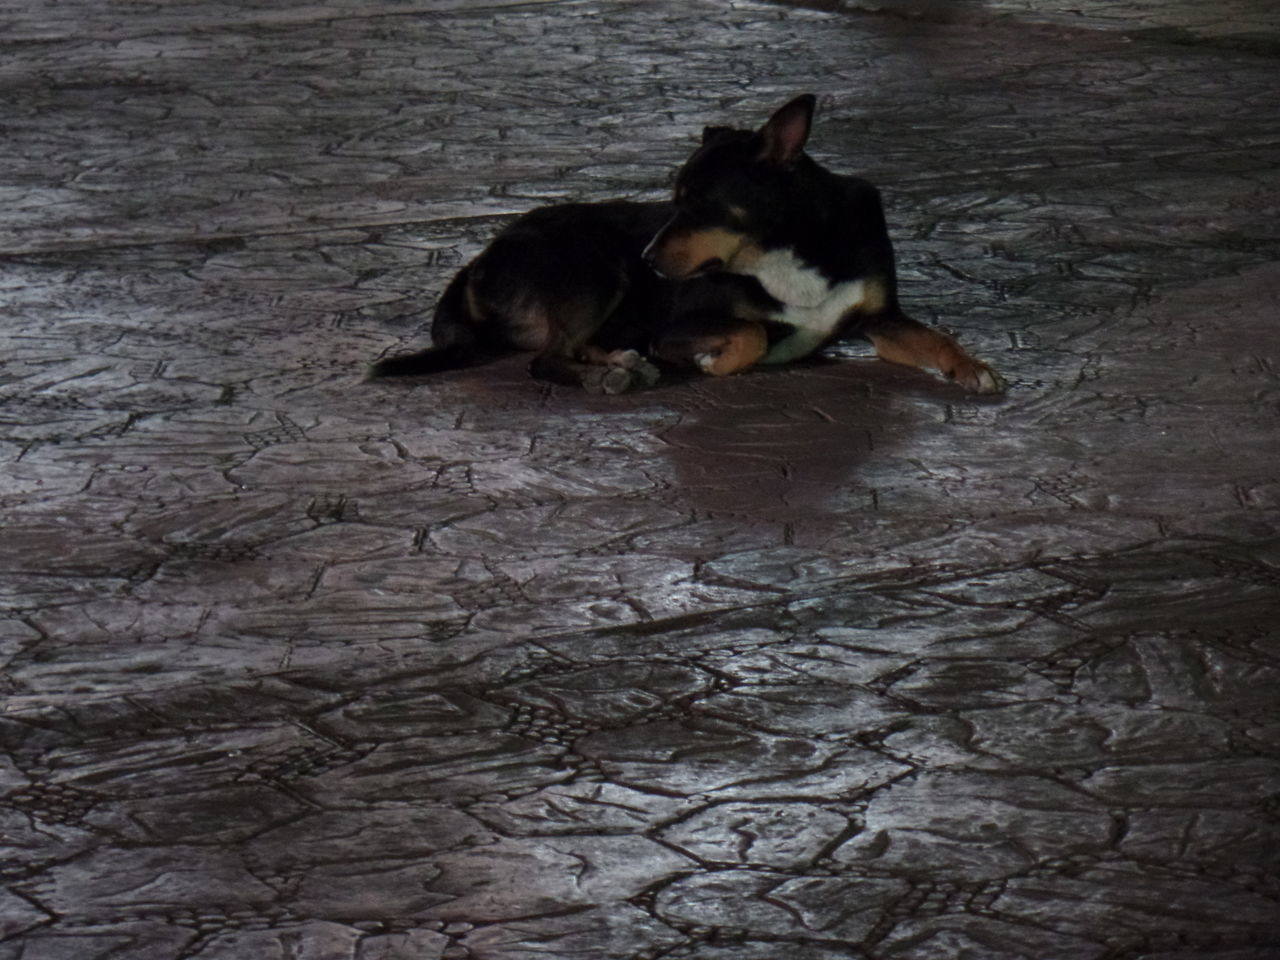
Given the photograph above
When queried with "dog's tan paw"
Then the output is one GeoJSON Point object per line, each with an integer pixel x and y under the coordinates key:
{"type": "Point", "coordinates": [729, 355]}
{"type": "Point", "coordinates": [706, 362]}
{"type": "Point", "coordinates": [976, 376]}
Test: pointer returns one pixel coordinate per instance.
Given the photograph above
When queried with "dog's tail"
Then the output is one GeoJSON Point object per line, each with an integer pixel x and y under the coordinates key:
{"type": "Point", "coordinates": [430, 360]}
{"type": "Point", "coordinates": [453, 330]}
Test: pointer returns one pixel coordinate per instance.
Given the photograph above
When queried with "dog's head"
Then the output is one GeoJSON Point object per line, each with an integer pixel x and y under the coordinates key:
{"type": "Point", "coordinates": [735, 196]}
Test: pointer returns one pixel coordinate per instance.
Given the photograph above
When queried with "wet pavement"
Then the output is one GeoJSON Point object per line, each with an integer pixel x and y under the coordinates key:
{"type": "Point", "coordinates": [833, 661]}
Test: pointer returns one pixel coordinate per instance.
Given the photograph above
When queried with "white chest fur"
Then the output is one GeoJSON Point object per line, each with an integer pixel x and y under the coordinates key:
{"type": "Point", "coordinates": [811, 306]}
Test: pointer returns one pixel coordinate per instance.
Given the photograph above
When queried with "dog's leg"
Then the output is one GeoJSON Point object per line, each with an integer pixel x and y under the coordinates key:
{"type": "Point", "coordinates": [556, 368]}
{"type": "Point", "coordinates": [569, 359]}
{"type": "Point", "coordinates": [899, 339]}
{"type": "Point", "coordinates": [740, 348]}
{"type": "Point", "coordinates": [801, 343]}
{"type": "Point", "coordinates": [723, 348]}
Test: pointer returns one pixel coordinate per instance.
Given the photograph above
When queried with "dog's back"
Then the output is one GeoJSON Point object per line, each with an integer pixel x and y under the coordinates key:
{"type": "Point", "coordinates": [549, 283]}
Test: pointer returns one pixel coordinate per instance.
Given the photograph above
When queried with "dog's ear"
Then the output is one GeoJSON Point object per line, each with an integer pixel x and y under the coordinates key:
{"type": "Point", "coordinates": [787, 130]}
{"type": "Point", "coordinates": [713, 133]}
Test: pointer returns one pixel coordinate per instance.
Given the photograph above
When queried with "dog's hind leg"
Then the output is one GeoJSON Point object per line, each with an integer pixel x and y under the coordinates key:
{"type": "Point", "coordinates": [899, 339]}
{"type": "Point", "coordinates": [595, 369]}
{"type": "Point", "coordinates": [593, 377]}
{"type": "Point", "coordinates": [570, 358]}
{"type": "Point", "coordinates": [453, 333]}
{"type": "Point", "coordinates": [641, 371]}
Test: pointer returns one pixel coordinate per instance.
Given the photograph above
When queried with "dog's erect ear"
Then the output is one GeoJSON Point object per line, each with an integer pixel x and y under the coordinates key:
{"type": "Point", "coordinates": [712, 133]}
{"type": "Point", "coordinates": [787, 130]}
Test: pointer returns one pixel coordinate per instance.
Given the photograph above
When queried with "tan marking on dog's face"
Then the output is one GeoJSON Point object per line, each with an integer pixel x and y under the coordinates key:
{"type": "Point", "coordinates": [681, 254]}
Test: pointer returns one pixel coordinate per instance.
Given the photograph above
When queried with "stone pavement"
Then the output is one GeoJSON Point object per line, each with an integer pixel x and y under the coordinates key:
{"type": "Point", "coordinates": [825, 662]}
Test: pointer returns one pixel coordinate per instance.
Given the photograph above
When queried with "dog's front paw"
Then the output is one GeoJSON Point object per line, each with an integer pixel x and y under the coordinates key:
{"type": "Point", "coordinates": [975, 376]}
{"type": "Point", "coordinates": [722, 356]}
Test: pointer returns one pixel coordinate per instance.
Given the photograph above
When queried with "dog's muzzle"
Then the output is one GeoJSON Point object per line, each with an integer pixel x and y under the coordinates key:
{"type": "Point", "coordinates": [652, 256]}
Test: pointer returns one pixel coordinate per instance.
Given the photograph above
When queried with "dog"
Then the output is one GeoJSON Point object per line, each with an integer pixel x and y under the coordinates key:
{"type": "Point", "coordinates": [761, 257]}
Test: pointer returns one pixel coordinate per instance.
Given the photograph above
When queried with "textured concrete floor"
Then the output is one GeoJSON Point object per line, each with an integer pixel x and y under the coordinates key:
{"type": "Point", "coordinates": [818, 663]}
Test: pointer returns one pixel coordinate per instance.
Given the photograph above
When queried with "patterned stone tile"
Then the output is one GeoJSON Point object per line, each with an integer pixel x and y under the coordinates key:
{"type": "Point", "coordinates": [830, 661]}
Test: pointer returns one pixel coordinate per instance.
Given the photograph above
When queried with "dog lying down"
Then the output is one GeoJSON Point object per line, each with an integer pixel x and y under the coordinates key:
{"type": "Point", "coordinates": [762, 256]}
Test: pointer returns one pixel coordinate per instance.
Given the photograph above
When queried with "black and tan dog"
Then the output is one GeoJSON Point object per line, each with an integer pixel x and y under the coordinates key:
{"type": "Point", "coordinates": [762, 257]}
